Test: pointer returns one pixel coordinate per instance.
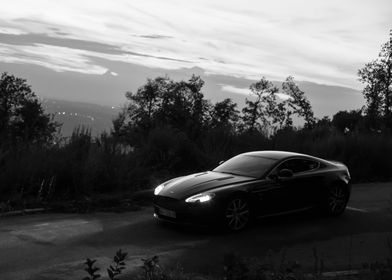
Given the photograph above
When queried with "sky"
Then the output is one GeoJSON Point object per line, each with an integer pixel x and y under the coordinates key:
{"type": "Point", "coordinates": [318, 41]}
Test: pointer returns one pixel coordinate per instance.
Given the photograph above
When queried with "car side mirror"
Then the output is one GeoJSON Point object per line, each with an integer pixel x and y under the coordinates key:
{"type": "Point", "coordinates": [273, 177]}
{"type": "Point", "coordinates": [222, 161]}
{"type": "Point", "coordinates": [285, 173]}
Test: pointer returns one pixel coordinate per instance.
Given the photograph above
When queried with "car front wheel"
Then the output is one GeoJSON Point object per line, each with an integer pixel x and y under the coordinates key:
{"type": "Point", "coordinates": [237, 214]}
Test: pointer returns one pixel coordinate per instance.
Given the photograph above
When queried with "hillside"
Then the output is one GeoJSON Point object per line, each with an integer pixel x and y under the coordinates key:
{"type": "Point", "coordinates": [109, 90]}
{"type": "Point", "coordinates": [73, 114]}
{"type": "Point", "coordinates": [326, 101]}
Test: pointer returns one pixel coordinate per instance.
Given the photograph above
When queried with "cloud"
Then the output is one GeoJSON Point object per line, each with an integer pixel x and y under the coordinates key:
{"type": "Point", "coordinates": [56, 58]}
{"type": "Point", "coordinates": [233, 89]}
{"type": "Point", "coordinates": [46, 40]}
{"type": "Point", "coordinates": [11, 31]}
{"type": "Point", "coordinates": [319, 41]}
{"type": "Point", "coordinates": [246, 91]}
{"type": "Point", "coordinates": [94, 47]}
{"type": "Point", "coordinates": [283, 96]}
{"type": "Point", "coordinates": [155, 36]}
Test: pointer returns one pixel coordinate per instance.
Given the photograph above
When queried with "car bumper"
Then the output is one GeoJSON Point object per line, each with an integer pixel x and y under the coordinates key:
{"type": "Point", "coordinates": [180, 212]}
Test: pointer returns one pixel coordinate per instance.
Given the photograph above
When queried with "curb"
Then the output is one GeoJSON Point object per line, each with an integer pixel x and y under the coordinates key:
{"type": "Point", "coordinates": [340, 273]}
{"type": "Point", "coordinates": [23, 212]}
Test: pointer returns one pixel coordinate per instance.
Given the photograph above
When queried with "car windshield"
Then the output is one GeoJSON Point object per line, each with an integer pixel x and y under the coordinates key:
{"type": "Point", "coordinates": [246, 165]}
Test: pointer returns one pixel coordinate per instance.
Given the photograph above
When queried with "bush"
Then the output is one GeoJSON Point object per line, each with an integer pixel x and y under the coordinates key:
{"type": "Point", "coordinates": [84, 166]}
{"type": "Point", "coordinates": [235, 267]}
{"type": "Point", "coordinates": [167, 130]}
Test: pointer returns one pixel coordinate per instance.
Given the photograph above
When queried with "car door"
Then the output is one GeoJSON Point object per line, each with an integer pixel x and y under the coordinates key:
{"type": "Point", "coordinates": [276, 194]}
{"type": "Point", "coordinates": [301, 188]}
{"type": "Point", "coordinates": [268, 195]}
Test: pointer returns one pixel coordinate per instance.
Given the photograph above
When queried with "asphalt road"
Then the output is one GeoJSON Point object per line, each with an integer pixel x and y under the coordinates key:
{"type": "Point", "coordinates": [54, 246]}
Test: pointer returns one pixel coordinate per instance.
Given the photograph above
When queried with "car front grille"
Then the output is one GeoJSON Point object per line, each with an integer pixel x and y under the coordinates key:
{"type": "Point", "coordinates": [166, 202]}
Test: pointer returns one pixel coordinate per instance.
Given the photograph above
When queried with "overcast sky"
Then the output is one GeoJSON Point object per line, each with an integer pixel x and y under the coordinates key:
{"type": "Point", "coordinates": [322, 41]}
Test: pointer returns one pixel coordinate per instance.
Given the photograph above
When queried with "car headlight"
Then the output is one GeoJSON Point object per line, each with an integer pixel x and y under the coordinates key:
{"type": "Point", "coordinates": [201, 197]}
{"type": "Point", "coordinates": [158, 189]}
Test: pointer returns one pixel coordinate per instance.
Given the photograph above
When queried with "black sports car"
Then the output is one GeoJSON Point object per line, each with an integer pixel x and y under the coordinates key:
{"type": "Point", "coordinates": [253, 185]}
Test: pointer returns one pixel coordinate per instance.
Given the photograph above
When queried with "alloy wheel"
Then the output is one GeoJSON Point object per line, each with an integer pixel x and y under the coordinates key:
{"type": "Point", "coordinates": [337, 200]}
{"type": "Point", "coordinates": [237, 214]}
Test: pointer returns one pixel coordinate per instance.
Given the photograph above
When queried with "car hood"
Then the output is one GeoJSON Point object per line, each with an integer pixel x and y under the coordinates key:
{"type": "Point", "coordinates": [183, 187]}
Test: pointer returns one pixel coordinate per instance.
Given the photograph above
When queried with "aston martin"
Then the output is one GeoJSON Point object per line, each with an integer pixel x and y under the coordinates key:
{"type": "Point", "coordinates": [253, 185]}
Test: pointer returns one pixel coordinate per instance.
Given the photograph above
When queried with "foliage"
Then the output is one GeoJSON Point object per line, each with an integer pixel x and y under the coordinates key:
{"type": "Point", "coordinates": [162, 102]}
{"type": "Point", "coordinates": [169, 129]}
{"type": "Point", "coordinates": [152, 269]}
{"type": "Point", "coordinates": [114, 270]}
{"type": "Point", "coordinates": [91, 270]}
{"type": "Point", "coordinates": [257, 114]}
{"type": "Point", "coordinates": [236, 267]}
{"type": "Point", "coordinates": [22, 118]}
{"type": "Point", "coordinates": [271, 111]}
{"type": "Point", "coordinates": [377, 77]}
{"type": "Point", "coordinates": [347, 121]}
{"type": "Point", "coordinates": [118, 265]}
{"type": "Point", "coordinates": [297, 104]}
{"type": "Point", "coordinates": [225, 115]}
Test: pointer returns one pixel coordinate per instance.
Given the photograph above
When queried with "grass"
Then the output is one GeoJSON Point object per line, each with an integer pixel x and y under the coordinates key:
{"type": "Point", "coordinates": [85, 170]}
{"type": "Point", "coordinates": [236, 267]}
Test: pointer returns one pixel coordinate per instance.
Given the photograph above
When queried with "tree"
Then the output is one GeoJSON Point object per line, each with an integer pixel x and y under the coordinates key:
{"type": "Point", "coordinates": [256, 115]}
{"type": "Point", "coordinates": [297, 103]}
{"type": "Point", "coordinates": [347, 120]}
{"type": "Point", "coordinates": [198, 107]}
{"type": "Point", "coordinates": [164, 102]}
{"type": "Point", "coordinates": [269, 112]}
{"type": "Point", "coordinates": [377, 77]}
{"type": "Point", "coordinates": [224, 114]}
{"type": "Point", "coordinates": [371, 76]}
{"type": "Point", "coordinates": [145, 103]}
{"type": "Point", "coordinates": [22, 118]}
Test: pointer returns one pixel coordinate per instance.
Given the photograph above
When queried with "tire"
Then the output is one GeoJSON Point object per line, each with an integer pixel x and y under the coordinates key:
{"type": "Point", "coordinates": [237, 214]}
{"type": "Point", "coordinates": [336, 200]}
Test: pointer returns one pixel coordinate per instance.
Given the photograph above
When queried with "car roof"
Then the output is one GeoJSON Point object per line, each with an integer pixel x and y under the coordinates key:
{"type": "Point", "coordinates": [276, 154]}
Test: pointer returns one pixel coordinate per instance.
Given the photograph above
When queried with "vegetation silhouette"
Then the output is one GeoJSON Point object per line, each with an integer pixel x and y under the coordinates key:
{"type": "Point", "coordinates": [167, 128]}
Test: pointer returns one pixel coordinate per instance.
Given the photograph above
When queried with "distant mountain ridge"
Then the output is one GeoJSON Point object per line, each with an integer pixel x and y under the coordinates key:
{"type": "Point", "coordinates": [71, 114]}
{"type": "Point", "coordinates": [326, 101]}
{"type": "Point", "coordinates": [83, 92]}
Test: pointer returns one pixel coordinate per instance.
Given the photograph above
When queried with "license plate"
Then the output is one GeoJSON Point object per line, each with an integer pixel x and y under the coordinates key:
{"type": "Point", "coordinates": [167, 213]}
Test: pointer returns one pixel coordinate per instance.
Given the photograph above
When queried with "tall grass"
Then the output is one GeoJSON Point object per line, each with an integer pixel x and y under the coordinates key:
{"type": "Point", "coordinates": [86, 166]}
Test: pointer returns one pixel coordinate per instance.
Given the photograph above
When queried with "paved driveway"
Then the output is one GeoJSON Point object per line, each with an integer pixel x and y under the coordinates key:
{"type": "Point", "coordinates": [54, 246]}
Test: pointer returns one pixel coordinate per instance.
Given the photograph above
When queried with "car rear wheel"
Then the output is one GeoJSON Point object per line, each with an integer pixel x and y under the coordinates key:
{"type": "Point", "coordinates": [237, 214]}
{"type": "Point", "coordinates": [337, 199]}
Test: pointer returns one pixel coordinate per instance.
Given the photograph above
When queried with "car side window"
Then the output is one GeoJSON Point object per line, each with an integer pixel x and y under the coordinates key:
{"type": "Point", "coordinates": [298, 165]}
{"type": "Point", "coordinates": [310, 164]}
